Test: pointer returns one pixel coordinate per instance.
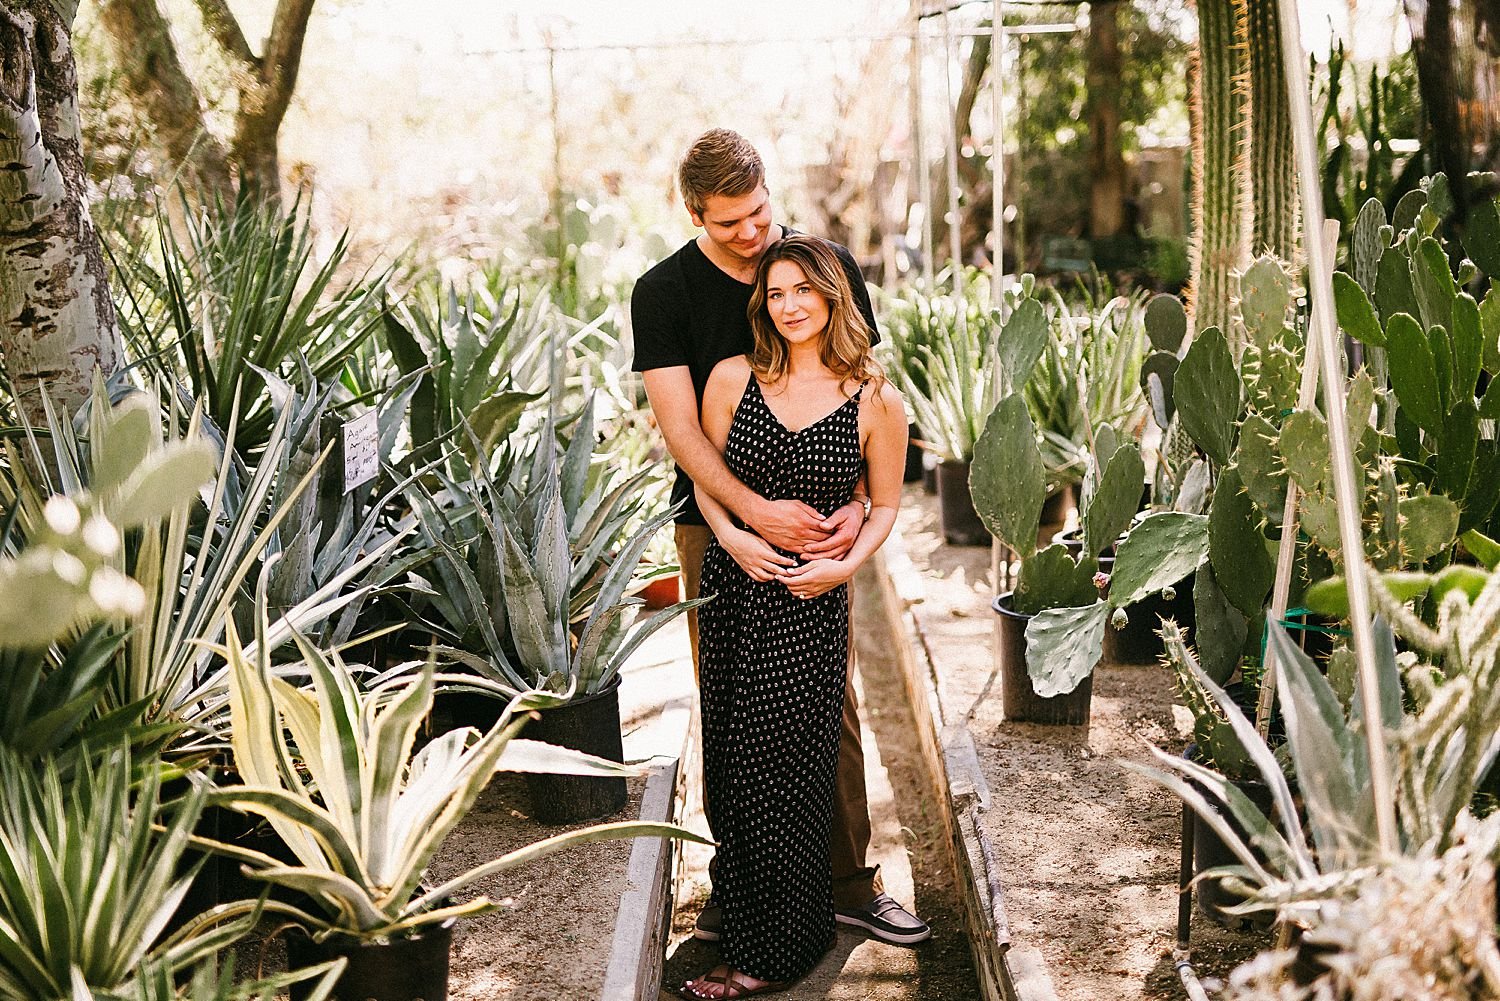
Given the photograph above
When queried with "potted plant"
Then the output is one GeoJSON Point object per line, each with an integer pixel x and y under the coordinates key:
{"type": "Point", "coordinates": [1051, 626]}
{"type": "Point", "coordinates": [954, 382]}
{"type": "Point", "coordinates": [1088, 376]}
{"type": "Point", "coordinates": [332, 769]}
{"type": "Point", "coordinates": [92, 869]}
{"type": "Point", "coordinates": [551, 608]}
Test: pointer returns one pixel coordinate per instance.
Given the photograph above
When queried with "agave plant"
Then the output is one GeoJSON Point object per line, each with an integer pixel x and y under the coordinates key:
{"type": "Point", "coordinates": [1440, 752]}
{"type": "Point", "coordinates": [363, 815]}
{"type": "Point", "coordinates": [242, 296]}
{"type": "Point", "coordinates": [954, 380]}
{"type": "Point", "coordinates": [478, 363]}
{"type": "Point", "coordinates": [91, 874]}
{"type": "Point", "coordinates": [328, 528]}
{"type": "Point", "coordinates": [1089, 373]}
{"type": "Point", "coordinates": [189, 563]}
{"type": "Point", "coordinates": [538, 597]}
{"type": "Point", "coordinates": [216, 981]}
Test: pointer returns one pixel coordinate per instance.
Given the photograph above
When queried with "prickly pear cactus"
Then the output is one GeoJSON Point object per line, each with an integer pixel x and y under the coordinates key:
{"type": "Point", "coordinates": [1207, 391]}
{"type": "Point", "coordinates": [1007, 479]}
{"type": "Point", "coordinates": [1114, 501]}
{"type": "Point", "coordinates": [1265, 300]}
{"type": "Point", "coordinates": [1063, 646]}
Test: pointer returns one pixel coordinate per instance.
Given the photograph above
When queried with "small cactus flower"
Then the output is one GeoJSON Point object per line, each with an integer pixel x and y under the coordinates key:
{"type": "Point", "coordinates": [1168, 593]}
{"type": "Point", "coordinates": [1101, 582]}
{"type": "Point", "coordinates": [1119, 620]}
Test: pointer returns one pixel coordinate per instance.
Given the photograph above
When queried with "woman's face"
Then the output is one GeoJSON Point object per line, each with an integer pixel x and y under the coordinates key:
{"type": "Point", "coordinates": [798, 310]}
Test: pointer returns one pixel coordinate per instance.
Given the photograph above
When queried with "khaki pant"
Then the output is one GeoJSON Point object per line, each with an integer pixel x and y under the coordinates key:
{"type": "Point", "coordinates": [854, 883]}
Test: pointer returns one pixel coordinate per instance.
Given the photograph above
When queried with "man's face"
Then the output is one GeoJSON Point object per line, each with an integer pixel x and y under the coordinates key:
{"type": "Point", "coordinates": [738, 224]}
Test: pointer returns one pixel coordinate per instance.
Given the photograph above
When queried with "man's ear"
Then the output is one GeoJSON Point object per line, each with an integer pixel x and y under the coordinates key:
{"type": "Point", "coordinates": [697, 219]}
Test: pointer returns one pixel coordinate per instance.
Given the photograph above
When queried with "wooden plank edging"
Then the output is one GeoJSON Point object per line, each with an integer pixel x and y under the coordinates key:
{"type": "Point", "coordinates": [636, 955]}
{"type": "Point", "coordinates": [958, 786]}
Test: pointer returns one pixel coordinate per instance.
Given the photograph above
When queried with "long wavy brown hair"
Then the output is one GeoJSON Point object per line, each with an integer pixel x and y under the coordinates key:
{"type": "Point", "coordinates": [844, 344]}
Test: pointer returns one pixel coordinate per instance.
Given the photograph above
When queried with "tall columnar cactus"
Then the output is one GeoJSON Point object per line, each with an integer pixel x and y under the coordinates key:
{"type": "Point", "coordinates": [1273, 174]}
{"type": "Point", "coordinates": [1220, 203]}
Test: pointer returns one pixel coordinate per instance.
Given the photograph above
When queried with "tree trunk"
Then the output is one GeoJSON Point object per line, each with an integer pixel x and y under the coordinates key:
{"type": "Point", "coordinates": [159, 83]}
{"type": "Point", "coordinates": [265, 95]}
{"type": "Point", "coordinates": [1106, 161]}
{"type": "Point", "coordinates": [153, 77]}
{"type": "Point", "coordinates": [57, 321]}
{"type": "Point", "coordinates": [973, 192]}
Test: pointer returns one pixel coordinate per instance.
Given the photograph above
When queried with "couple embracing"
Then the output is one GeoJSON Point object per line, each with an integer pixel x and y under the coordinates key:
{"type": "Point", "coordinates": [755, 346]}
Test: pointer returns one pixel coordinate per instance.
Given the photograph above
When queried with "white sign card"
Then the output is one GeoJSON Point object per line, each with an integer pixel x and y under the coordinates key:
{"type": "Point", "coordinates": [361, 450]}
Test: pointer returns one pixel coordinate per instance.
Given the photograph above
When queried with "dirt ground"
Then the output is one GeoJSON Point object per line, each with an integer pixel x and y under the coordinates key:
{"type": "Point", "coordinates": [907, 844]}
{"type": "Point", "coordinates": [1089, 852]}
{"type": "Point", "coordinates": [554, 934]}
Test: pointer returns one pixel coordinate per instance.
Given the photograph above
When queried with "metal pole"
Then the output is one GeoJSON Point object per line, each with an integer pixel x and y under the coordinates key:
{"type": "Point", "coordinates": [997, 155]}
{"type": "Point", "coordinates": [919, 144]}
{"type": "Point", "coordinates": [955, 238]}
{"type": "Point", "coordinates": [1345, 484]}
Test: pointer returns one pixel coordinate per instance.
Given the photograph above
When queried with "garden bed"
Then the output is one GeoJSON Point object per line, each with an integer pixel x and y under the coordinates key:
{"type": "Point", "coordinates": [1084, 855]}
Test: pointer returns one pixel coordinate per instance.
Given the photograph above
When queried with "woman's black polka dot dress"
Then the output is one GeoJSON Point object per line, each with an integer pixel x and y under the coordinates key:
{"type": "Point", "coordinates": [771, 672]}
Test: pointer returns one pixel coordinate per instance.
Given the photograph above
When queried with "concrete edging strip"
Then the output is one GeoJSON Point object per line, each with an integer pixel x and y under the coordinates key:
{"type": "Point", "coordinates": [960, 789]}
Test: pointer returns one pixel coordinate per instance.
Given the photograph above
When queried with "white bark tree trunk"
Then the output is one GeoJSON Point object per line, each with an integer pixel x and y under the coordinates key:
{"type": "Point", "coordinates": [57, 321]}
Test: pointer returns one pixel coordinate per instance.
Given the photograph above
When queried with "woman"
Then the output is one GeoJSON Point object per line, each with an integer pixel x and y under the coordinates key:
{"type": "Point", "coordinates": [802, 417]}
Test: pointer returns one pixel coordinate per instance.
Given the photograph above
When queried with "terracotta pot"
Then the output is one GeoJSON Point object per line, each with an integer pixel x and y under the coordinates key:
{"type": "Point", "coordinates": [662, 592]}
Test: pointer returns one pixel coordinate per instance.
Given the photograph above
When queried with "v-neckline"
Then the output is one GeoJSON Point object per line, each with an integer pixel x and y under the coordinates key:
{"type": "Point", "coordinates": [782, 424]}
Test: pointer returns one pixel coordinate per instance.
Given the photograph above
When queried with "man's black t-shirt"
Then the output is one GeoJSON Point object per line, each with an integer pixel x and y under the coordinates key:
{"type": "Point", "coordinates": [686, 311]}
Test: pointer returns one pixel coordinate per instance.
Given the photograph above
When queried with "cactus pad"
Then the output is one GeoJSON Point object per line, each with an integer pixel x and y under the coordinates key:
{"type": "Point", "coordinates": [1051, 579]}
{"type": "Point", "coordinates": [1207, 393]}
{"type": "Point", "coordinates": [1166, 323]}
{"type": "Point", "coordinates": [1158, 552]}
{"type": "Point", "coordinates": [1063, 646]}
{"type": "Point", "coordinates": [1114, 500]}
{"type": "Point", "coordinates": [1265, 298]}
{"type": "Point", "coordinates": [1007, 479]}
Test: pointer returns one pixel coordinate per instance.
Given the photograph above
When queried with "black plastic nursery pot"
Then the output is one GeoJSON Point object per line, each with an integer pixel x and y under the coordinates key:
{"type": "Point", "coordinates": [929, 473]}
{"type": "Point", "coordinates": [590, 724]}
{"type": "Point", "coordinates": [961, 524]}
{"type": "Point", "coordinates": [1138, 642]}
{"type": "Point", "coordinates": [413, 968]}
{"type": "Point", "coordinates": [1019, 700]}
{"type": "Point", "coordinates": [1210, 851]}
{"type": "Point", "coordinates": [913, 471]}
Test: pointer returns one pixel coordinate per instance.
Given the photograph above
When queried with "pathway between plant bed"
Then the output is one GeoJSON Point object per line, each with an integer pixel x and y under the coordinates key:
{"type": "Point", "coordinates": [908, 844]}
{"type": "Point", "coordinates": [1088, 852]}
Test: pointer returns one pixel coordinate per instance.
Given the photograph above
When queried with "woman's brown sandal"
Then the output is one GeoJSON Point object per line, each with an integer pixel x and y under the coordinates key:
{"type": "Point", "coordinates": [734, 988]}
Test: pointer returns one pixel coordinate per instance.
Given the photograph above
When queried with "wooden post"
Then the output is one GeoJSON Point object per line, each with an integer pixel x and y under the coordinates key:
{"type": "Point", "coordinates": [997, 156]}
{"type": "Point", "coordinates": [1307, 397]}
{"type": "Point", "coordinates": [1347, 493]}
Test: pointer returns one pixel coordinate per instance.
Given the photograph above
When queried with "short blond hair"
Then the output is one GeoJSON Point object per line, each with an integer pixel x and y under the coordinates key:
{"type": "Point", "coordinates": [720, 162]}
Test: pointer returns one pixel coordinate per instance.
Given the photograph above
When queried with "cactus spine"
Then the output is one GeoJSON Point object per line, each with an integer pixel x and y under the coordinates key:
{"type": "Point", "coordinates": [1220, 203]}
{"type": "Point", "coordinates": [1273, 176]}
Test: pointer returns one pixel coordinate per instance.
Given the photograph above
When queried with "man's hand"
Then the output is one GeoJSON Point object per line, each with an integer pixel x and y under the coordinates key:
{"type": "Point", "coordinates": [754, 555]}
{"type": "Point", "coordinates": [845, 524]}
{"type": "Point", "coordinates": [818, 577]}
{"type": "Point", "coordinates": [789, 524]}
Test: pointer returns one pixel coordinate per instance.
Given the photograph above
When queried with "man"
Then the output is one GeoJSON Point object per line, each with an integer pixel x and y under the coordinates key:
{"type": "Point", "coordinates": [687, 314]}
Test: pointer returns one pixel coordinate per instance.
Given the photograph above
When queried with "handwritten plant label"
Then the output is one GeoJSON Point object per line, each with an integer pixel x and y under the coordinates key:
{"type": "Point", "coordinates": [361, 450]}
